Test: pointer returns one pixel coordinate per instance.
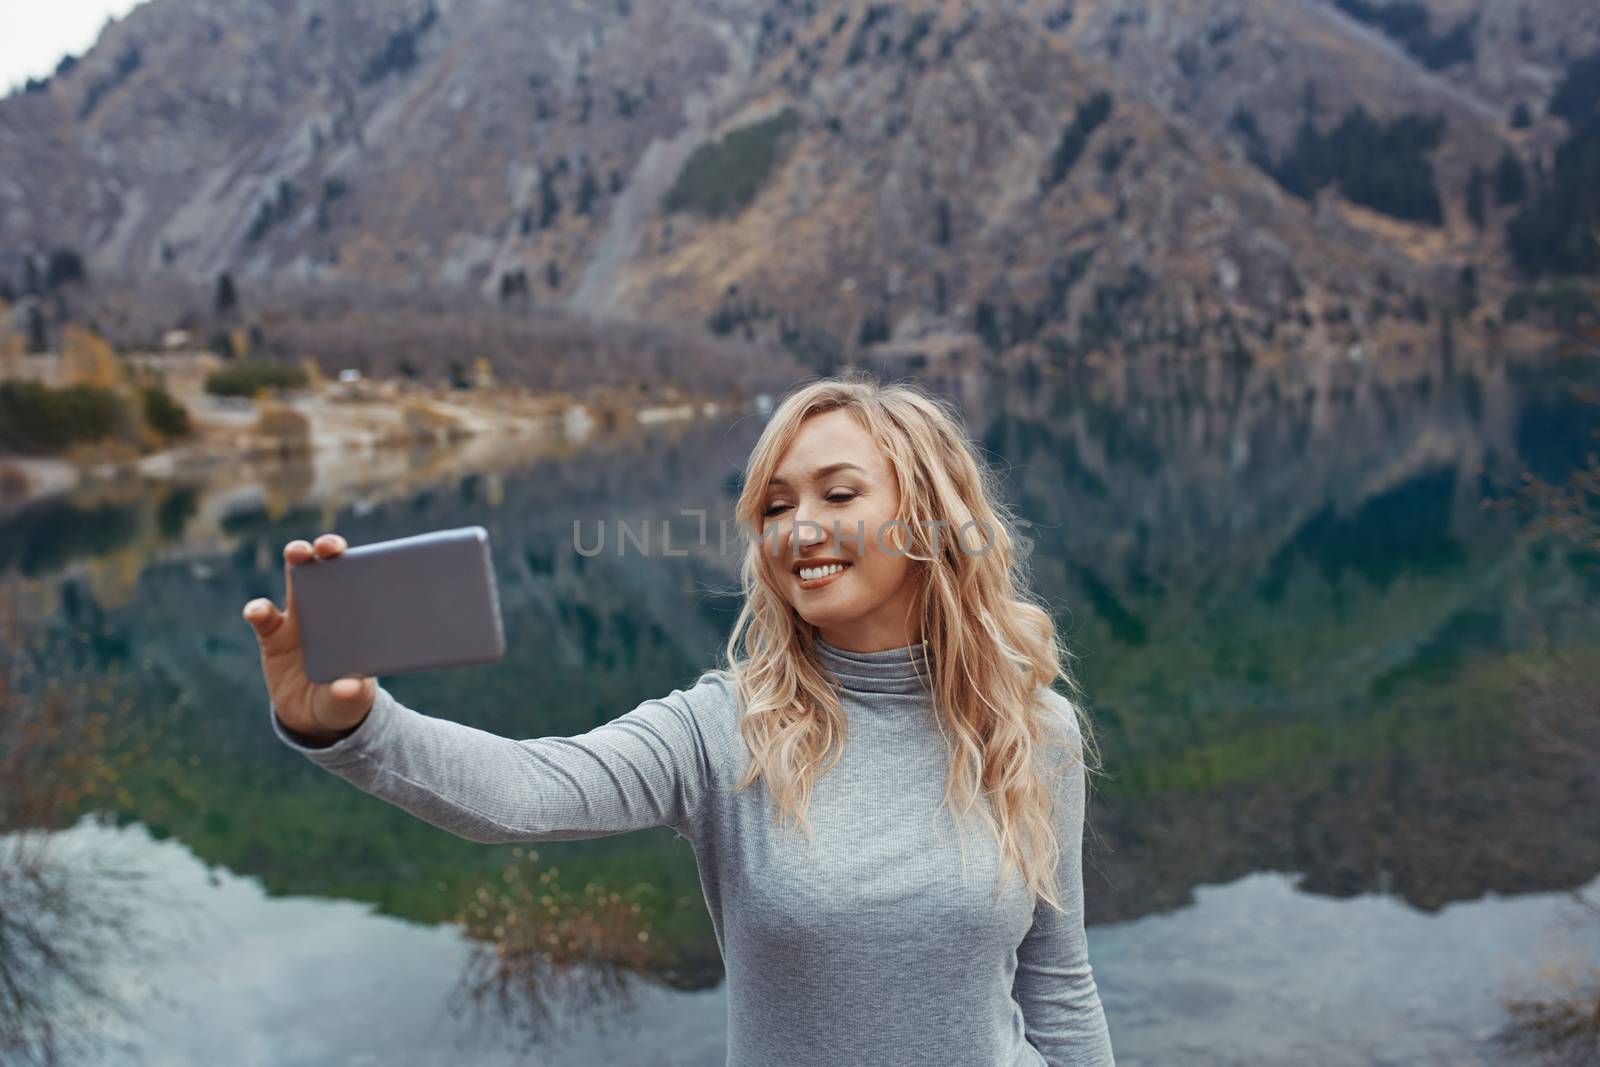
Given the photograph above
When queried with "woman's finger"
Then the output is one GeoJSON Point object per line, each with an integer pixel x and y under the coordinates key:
{"type": "Point", "coordinates": [294, 553]}
{"type": "Point", "coordinates": [330, 545]}
{"type": "Point", "coordinates": [263, 615]}
{"type": "Point", "coordinates": [269, 624]}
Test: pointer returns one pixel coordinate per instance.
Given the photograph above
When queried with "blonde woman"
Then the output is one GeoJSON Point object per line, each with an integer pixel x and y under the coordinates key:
{"type": "Point", "coordinates": [889, 681]}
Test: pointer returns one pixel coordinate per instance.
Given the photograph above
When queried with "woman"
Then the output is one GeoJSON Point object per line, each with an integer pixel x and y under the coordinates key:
{"type": "Point", "coordinates": [883, 607]}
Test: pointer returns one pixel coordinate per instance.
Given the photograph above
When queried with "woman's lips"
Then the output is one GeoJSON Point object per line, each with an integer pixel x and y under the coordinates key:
{"type": "Point", "coordinates": [826, 579]}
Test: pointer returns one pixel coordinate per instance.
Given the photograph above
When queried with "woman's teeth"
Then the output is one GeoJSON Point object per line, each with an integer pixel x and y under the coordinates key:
{"type": "Point", "coordinates": [808, 573]}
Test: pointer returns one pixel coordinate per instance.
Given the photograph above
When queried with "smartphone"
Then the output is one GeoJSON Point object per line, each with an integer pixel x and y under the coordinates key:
{"type": "Point", "coordinates": [395, 607]}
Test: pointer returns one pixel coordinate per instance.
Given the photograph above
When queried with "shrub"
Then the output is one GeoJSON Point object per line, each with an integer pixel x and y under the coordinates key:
{"type": "Point", "coordinates": [244, 379]}
{"type": "Point", "coordinates": [722, 177]}
{"type": "Point", "coordinates": [163, 414]}
{"type": "Point", "coordinates": [35, 418]}
{"type": "Point", "coordinates": [286, 427]}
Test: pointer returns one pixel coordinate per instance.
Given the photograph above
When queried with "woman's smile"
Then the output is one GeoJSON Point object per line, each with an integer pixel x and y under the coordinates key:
{"type": "Point", "coordinates": [820, 576]}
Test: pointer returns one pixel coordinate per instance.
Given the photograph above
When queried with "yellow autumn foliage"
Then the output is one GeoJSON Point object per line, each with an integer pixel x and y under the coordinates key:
{"type": "Point", "coordinates": [88, 359]}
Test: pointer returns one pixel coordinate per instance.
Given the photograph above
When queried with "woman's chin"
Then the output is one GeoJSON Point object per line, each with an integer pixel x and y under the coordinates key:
{"type": "Point", "coordinates": [835, 619]}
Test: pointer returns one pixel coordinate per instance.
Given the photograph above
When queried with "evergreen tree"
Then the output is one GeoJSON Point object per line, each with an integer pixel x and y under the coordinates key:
{"type": "Point", "coordinates": [874, 329]}
{"type": "Point", "coordinates": [227, 300]}
{"type": "Point", "coordinates": [549, 203]}
{"type": "Point", "coordinates": [1089, 116]}
{"type": "Point", "coordinates": [1510, 180]}
{"type": "Point", "coordinates": [37, 341]}
{"type": "Point", "coordinates": [1475, 196]}
{"type": "Point", "coordinates": [1578, 95]}
{"type": "Point", "coordinates": [588, 189]}
{"type": "Point", "coordinates": [1467, 288]}
{"type": "Point", "coordinates": [65, 265]}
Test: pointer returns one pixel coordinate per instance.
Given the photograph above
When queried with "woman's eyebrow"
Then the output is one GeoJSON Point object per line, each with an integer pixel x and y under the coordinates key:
{"type": "Point", "coordinates": [821, 472]}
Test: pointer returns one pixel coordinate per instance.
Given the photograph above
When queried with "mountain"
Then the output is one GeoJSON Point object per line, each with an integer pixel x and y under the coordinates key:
{"type": "Point", "coordinates": [1262, 181]}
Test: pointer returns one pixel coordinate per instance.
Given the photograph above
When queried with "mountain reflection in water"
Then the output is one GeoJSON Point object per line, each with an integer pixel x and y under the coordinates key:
{"type": "Point", "coordinates": [1315, 634]}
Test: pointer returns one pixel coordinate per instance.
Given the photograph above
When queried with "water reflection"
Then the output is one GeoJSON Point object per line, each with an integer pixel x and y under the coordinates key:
{"type": "Point", "coordinates": [1308, 645]}
{"type": "Point", "coordinates": [1254, 971]}
{"type": "Point", "coordinates": [278, 981]}
{"type": "Point", "coordinates": [75, 956]}
{"type": "Point", "coordinates": [540, 953]}
{"type": "Point", "coordinates": [65, 919]}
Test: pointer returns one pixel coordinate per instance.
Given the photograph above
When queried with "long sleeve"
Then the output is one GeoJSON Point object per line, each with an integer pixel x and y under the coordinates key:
{"type": "Point", "coordinates": [646, 768]}
{"type": "Point", "coordinates": [1054, 983]}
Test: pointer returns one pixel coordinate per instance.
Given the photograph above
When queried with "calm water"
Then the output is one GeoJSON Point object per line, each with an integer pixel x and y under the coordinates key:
{"type": "Point", "coordinates": [1345, 709]}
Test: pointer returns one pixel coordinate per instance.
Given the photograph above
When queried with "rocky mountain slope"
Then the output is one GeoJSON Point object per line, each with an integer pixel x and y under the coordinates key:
{"type": "Point", "coordinates": [1260, 180]}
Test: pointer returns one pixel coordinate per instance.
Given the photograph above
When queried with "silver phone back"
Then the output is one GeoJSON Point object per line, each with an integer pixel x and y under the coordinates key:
{"type": "Point", "coordinates": [394, 607]}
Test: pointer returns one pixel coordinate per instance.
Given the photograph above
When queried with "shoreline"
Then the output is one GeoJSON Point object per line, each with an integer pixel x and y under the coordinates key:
{"type": "Point", "coordinates": [342, 428]}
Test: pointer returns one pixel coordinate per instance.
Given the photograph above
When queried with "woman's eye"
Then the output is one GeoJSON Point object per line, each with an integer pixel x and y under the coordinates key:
{"type": "Point", "coordinates": [842, 497]}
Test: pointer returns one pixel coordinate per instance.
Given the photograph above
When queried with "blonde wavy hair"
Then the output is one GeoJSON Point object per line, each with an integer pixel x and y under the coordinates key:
{"type": "Point", "coordinates": [992, 648]}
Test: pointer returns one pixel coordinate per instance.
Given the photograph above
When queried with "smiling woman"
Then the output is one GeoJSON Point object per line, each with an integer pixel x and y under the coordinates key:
{"type": "Point", "coordinates": [834, 503]}
{"type": "Point", "coordinates": [885, 671]}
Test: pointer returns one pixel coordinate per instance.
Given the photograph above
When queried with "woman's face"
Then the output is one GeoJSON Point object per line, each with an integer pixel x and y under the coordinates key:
{"type": "Point", "coordinates": [832, 499]}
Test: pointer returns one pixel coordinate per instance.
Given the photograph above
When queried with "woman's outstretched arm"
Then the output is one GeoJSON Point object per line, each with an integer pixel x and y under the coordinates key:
{"type": "Point", "coordinates": [1061, 1009]}
{"type": "Point", "coordinates": [646, 768]}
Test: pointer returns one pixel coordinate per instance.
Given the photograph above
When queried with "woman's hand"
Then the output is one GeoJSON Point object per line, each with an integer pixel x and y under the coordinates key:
{"type": "Point", "coordinates": [323, 712]}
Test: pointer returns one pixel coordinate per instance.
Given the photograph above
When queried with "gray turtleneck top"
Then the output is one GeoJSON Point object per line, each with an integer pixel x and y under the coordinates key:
{"type": "Point", "coordinates": [876, 944]}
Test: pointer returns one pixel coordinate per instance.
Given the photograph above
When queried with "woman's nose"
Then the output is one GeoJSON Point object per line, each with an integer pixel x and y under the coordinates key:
{"type": "Point", "coordinates": [807, 531]}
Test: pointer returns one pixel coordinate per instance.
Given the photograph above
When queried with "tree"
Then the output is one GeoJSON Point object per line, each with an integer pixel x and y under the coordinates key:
{"type": "Point", "coordinates": [87, 359]}
{"type": "Point", "coordinates": [65, 265]}
{"type": "Point", "coordinates": [1577, 98]}
{"type": "Point", "coordinates": [1382, 165]}
{"type": "Point", "coordinates": [549, 203]}
{"type": "Point", "coordinates": [163, 414]}
{"type": "Point", "coordinates": [37, 340]}
{"type": "Point", "coordinates": [1467, 288]}
{"type": "Point", "coordinates": [11, 344]}
{"type": "Point", "coordinates": [227, 299]}
{"type": "Point", "coordinates": [1088, 117]}
{"type": "Point", "coordinates": [986, 324]}
{"type": "Point", "coordinates": [1475, 197]}
{"type": "Point", "coordinates": [874, 328]}
{"type": "Point", "coordinates": [1510, 180]}
{"type": "Point", "coordinates": [588, 189]}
